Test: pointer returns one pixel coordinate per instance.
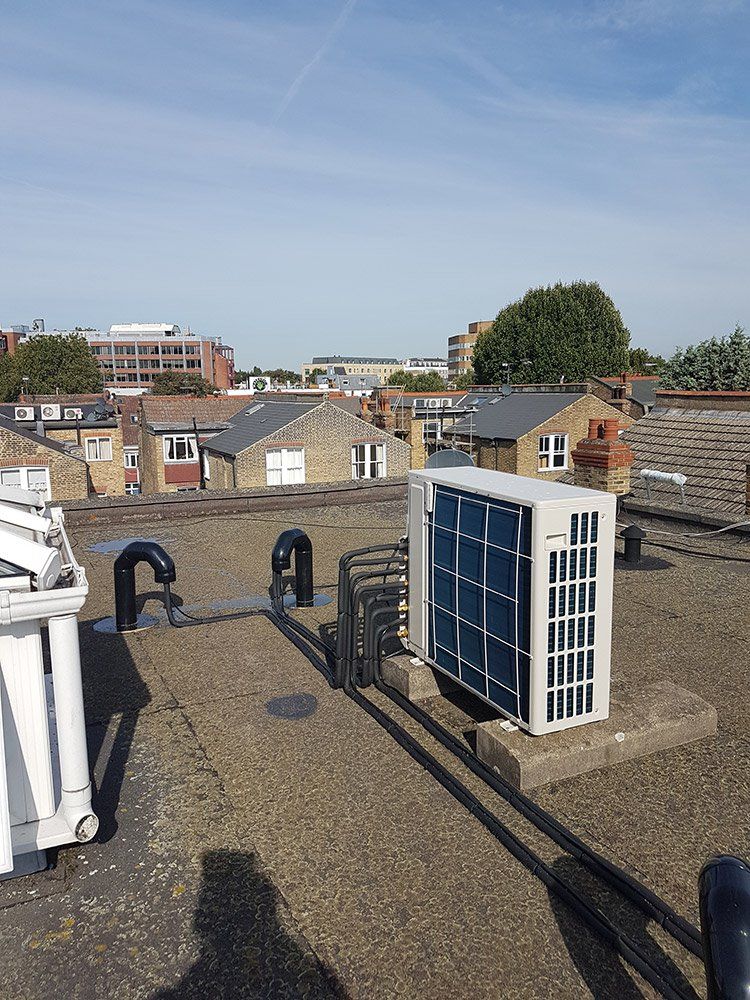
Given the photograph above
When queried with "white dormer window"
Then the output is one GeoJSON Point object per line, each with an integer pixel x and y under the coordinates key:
{"type": "Point", "coordinates": [180, 448]}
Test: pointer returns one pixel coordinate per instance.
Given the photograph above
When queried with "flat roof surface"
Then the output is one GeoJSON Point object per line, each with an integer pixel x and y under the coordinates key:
{"type": "Point", "coordinates": [262, 837]}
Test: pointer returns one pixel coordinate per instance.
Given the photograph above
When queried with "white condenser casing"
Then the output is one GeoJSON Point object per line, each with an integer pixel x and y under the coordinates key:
{"type": "Point", "coordinates": [510, 591]}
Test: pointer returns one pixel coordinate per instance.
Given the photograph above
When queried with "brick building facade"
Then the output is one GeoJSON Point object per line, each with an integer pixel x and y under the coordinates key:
{"type": "Point", "coordinates": [33, 462]}
{"type": "Point", "coordinates": [518, 434]}
{"type": "Point", "coordinates": [324, 444]}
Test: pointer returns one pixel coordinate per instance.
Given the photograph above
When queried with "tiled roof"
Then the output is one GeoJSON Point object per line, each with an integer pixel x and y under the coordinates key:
{"type": "Point", "coordinates": [507, 418]}
{"type": "Point", "coordinates": [710, 447]}
{"type": "Point", "coordinates": [174, 411]}
{"type": "Point", "coordinates": [256, 421]}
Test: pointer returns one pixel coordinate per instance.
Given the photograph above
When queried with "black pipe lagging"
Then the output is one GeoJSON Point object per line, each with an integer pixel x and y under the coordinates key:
{"type": "Point", "coordinates": [645, 899]}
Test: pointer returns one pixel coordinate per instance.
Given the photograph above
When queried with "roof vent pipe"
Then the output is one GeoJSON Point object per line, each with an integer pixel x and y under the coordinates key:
{"type": "Point", "coordinates": [633, 536]}
{"type": "Point", "coordinates": [126, 612]}
{"type": "Point", "coordinates": [293, 540]}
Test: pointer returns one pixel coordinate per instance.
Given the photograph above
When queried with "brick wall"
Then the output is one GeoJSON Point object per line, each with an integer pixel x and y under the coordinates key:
{"type": "Point", "coordinates": [327, 434]}
{"type": "Point", "coordinates": [500, 459]}
{"type": "Point", "coordinates": [220, 472]}
{"type": "Point", "coordinates": [68, 475]}
{"type": "Point", "coordinates": [105, 477]}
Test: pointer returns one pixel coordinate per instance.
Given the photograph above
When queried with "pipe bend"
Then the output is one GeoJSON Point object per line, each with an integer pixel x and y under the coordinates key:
{"type": "Point", "coordinates": [291, 540]}
{"type": "Point", "coordinates": [149, 552]}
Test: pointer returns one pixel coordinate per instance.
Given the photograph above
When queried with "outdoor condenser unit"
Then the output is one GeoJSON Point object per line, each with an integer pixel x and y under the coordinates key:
{"type": "Point", "coordinates": [510, 591]}
{"type": "Point", "coordinates": [45, 788]}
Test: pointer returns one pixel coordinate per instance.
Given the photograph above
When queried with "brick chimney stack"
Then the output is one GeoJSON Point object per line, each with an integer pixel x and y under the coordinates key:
{"type": "Point", "coordinates": [601, 461]}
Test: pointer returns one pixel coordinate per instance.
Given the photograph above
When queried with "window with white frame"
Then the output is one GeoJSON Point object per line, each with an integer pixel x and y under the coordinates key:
{"type": "Point", "coordinates": [432, 430]}
{"type": "Point", "coordinates": [285, 466]}
{"type": "Point", "coordinates": [368, 460]}
{"type": "Point", "coordinates": [553, 452]}
{"type": "Point", "coordinates": [99, 449]}
{"type": "Point", "coordinates": [132, 489]}
{"type": "Point", "coordinates": [28, 477]}
{"type": "Point", "coordinates": [130, 458]}
{"type": "Point", "coordinates": [180, 448]}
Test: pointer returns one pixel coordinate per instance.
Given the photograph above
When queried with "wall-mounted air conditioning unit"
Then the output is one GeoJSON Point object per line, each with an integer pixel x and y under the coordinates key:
{"type": "Point", "coordinates": [510, 591]}
{"type": "Point", "coordinates": [73, 413]}
{"type": "Point", "coordinates": [50, 411]}
{"type": "Point", "coordinates": [24, 413]}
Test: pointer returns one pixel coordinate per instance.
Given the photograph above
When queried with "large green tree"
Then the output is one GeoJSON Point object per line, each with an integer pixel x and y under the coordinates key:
{"type": "Point", "coordinates": [420, 382]}
{"type": "Point", "coordinates": [48, 364]}
{"type": "Point", "coordinates": [559, 332]}
{"type": "Point", "coordinates": [720, 363]}
{"type": "Point", "coordinates": [174, 383]}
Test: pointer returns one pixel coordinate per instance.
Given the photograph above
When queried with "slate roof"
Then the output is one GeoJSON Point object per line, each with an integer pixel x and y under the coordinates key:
{"type": "Point", "coordinates": [710, 447]}
{"type": "Point", "coordinates": [255, 422]}
{"type": "Point", "coordinates": [507, 418]}
{"type": "Point", "coordinates": [61, 446]}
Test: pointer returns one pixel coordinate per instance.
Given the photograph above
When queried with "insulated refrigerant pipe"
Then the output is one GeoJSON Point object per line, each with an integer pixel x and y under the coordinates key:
{"type": "Point", "coordinates": [346, 582]}
{"type": "Point", "coordinates": [646, 900]}
{"type": "Point", "coordinates": [75, 779]}
{"type": "Point", "coordinates": [345, 625]}
{"type": "Point", "coordinates": [351, 622]}
{"type": "Point", "coordinates": [588, 912]}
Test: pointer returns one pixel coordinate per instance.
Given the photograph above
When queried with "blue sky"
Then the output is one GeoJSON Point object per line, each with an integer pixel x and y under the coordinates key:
{"type": "Point", "coordinates": [320, 176]}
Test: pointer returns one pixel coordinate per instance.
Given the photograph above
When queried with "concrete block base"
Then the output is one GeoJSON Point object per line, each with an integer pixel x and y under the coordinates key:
{"type": "Point", "coordinates": [415, 680]}
{"type": "Point", "coordinates": [642, 721]}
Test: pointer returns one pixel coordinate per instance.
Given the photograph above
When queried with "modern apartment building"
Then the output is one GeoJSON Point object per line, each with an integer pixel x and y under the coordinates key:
{"type": "Point", "coordinates": [461, 348]}
{"type": "Point", "coordinates": [383, 367]}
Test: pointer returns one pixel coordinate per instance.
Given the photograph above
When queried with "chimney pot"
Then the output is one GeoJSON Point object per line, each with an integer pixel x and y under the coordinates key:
{"type": "Point", "coordinates": [593, 428]}
{"type": "Point", "coordinates": [611, 427]}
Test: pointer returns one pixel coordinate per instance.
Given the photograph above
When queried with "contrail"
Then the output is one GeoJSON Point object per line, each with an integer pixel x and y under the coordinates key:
{"type": "Point", "coordinates": [335, 28]}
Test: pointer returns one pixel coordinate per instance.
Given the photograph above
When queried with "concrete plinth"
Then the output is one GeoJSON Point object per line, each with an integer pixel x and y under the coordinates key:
{"type": "Point", "coordinates": [642, 721]}
{"type": "Point", "coordinates": [416, 680]}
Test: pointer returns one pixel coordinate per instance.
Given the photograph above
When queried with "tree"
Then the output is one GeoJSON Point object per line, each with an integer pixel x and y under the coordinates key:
{"type": "Point", "coordinates": [314, 374]}
{"type": "Point", "coordinates": [714, 365]}
{"type": "Point", "coordinates": [49, 364]}
{"type": "Point", "coordinates": [423, 382]}
{"type": "Point", "coordinates": [643, 362]}
{"type": "Point", "coordinates": [174, 383]}
{"type": "Point", "coordinates": [559, 332]}
{"type": "Point", "coordinates": [465, 379]}
{"type": "Point", "coordinates": [281, 375]}
{"type": "Point", "coordinates": [240, 375]}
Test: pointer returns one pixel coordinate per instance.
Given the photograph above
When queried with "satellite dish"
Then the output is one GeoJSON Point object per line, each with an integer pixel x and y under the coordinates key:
{"type": "Point", "coordinates": [506, 390]}
{"type": "Point", "coordinates": [91, 417]}
{"type": "Point", "coordinates": [100, 407]}
{"type": "Point", "coordinates": [448, 458]}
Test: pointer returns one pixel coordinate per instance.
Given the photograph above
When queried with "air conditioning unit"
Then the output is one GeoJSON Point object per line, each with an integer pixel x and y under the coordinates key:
{"type": "Point", "coordinates": [50, 411]}
{"type": "Point", "coordinates": [24, 413]}
{"type": "Point", "coordinates": [73, 413]}
{"type": "Point", "coordinates": [510, 591]}
{"type": "Point", "coordinates": [433, 403]}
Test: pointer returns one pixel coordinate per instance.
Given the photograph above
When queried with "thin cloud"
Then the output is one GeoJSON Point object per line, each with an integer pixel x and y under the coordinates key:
{"type": "Point", "coordinates": [335, 28]}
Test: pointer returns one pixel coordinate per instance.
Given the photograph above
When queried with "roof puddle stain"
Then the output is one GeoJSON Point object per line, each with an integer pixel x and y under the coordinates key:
{"type": "Point", "coordinates": [116, 545]}
{"type": "Point", "coordinates": [292, 706]}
